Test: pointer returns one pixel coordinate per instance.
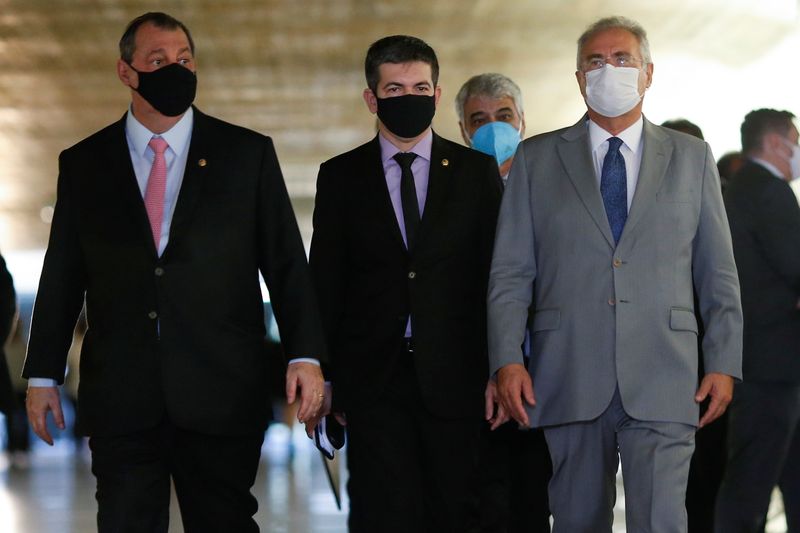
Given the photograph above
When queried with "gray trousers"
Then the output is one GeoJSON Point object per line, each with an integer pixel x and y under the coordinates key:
{"type": "Point", "coordinates": [655, 468]}
{"type": "Point", "coordinates": [763, 451]}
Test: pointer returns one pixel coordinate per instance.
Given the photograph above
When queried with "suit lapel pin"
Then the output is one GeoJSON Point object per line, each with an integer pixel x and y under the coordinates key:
{"type": "Point", "coordinates": [202, 163]}
{"type": "Point", "coordinates": [445, 162]}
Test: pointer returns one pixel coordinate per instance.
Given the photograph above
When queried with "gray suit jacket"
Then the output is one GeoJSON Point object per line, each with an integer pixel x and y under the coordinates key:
{"type": "Point", "coordinates": [603, 316]}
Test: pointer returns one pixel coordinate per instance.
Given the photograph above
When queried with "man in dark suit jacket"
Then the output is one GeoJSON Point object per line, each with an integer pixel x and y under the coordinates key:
{"type": "Point", "coordinates": [403, 300]}
{"type": "Point", "coordinates": [163, 222]}
{"type": "Point", "coordinates": [764, 425]}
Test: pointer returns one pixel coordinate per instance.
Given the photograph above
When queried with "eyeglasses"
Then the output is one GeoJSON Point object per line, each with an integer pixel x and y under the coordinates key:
{"type": "Point", "coordinates": [618, 60]}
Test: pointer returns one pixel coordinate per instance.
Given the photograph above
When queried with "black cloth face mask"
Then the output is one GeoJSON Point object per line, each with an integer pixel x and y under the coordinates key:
{"type": "Point", "coordinates": [407, 116]}
{"type": "Point", "coordinates": [170, 90]}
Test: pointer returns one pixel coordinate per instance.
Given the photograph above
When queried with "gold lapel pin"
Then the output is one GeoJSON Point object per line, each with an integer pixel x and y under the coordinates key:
{"type": "Point", "coordinates": [445, 162]}
{"type": "Point", "coordinates": [202, 162]}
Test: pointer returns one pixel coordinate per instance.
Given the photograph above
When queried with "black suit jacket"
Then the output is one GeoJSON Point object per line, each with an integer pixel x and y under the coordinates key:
{"type": "Point", "coordinates": [765, 225]}
{"type": "Point", "coordinates": [180, 335]}
{"type": "Point", "coordinates": [368, 283]}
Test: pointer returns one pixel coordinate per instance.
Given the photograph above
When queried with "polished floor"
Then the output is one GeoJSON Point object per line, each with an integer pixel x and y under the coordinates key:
{"type": "Point", "coordinates": [54, 492]}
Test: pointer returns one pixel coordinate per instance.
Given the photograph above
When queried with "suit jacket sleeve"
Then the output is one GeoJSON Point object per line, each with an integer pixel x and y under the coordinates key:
{"type": "Point", "coordinates": [61, 289]}
{"type": "Point", "coordinates": [327, 256]}
{"type": "Point", "coordinates": [513, 269]}
{"type": "Point", "coordinates": [716, 280]}
{"type": "Point", "coordinates": [283, 264]}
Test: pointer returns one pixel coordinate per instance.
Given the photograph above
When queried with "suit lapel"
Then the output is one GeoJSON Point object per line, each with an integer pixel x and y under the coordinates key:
{"type": "Point", "coordinates": [379, 191]}
{"type": "Point", "coordinates": [120, 168]}
{"type": "Point", "coordinates": [199, 162]}
{"type": "Point", "coordinates": [656, 154]}
{"type": "Point", "coordinates": [576, 157]}
{"type": "Point", "coordinates": [439, 178]}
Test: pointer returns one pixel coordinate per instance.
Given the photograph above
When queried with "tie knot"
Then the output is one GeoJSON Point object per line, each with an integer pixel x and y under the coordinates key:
{"type": "Point", "coordinates": [614, 143]}
{"type": "Point", "coordinates": [405, 159]}
{"type": "Point", "coordinates": [158, 144]}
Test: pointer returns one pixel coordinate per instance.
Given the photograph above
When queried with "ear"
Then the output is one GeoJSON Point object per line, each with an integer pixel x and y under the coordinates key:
{"type": "Point", "coordinates": [371, 100]}
{"type": "Point", "coordinates": [127, 76]}
{"type": "Point", "coordinates": [649, 76]}
{"type": "Point", "coordinates": [437, 93]}
{"type": "Point", "coordinates": [464, 133]}
{"type": "Point", "coordinates": [522, 126]}
{"type": "Point", "coordinates": [580, 77]}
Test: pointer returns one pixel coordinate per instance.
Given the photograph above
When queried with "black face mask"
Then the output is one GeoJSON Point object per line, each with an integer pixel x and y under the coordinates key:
{"type": "Point", "coordinates": [406, 116]}
{"type": "Point", "coordinates": [170, 90]}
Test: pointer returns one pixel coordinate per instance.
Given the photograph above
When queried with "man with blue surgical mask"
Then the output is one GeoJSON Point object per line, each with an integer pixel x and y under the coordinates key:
{"type": "Point", "coordinates": [491, 118]}
{"type": "Point", "coordinates": [515, 462]}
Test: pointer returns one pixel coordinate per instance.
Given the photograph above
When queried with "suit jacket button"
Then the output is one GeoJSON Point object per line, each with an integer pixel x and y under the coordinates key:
{"type": "Point", "coordinates": [612, 302]}
{"type": "Point", "coordinates": [617, 262]}
{"type": "Point", "coordinates": [159, 271]}
{"type": "Point", "coordinates": [152, 315]}
{"type": "Point", "coordinates": [412, 275]}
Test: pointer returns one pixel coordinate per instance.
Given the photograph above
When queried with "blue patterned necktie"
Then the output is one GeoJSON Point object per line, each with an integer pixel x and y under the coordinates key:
{"type": "Point", "coordinates": [614, 188]}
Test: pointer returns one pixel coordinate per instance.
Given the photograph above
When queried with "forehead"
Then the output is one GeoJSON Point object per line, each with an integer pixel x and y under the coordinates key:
{"type": "Point", "coordinates": [611, 41]}
{"type": "Point", "coordinates": [412, 72]}
{"type": "Point", "coordinates": [487, 104]}
{"type": "Point", "coordinates": [150, 37]}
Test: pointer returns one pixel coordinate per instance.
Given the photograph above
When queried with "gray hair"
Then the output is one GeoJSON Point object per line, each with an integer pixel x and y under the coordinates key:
{"type": "Point", "coordinates": [622, 23]}
{"type": "Point", "coordinates": [491, 84]}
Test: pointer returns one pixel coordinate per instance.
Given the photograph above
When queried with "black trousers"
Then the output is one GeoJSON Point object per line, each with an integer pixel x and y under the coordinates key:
{"type": "Point", "coordinates": [212, 475]}
{"type": "Point", "coordinates": [763, 451]}
{"type": "Point", "coordinates": [411, 471]}
{"type": "Point", "coordinates": [514, 473]}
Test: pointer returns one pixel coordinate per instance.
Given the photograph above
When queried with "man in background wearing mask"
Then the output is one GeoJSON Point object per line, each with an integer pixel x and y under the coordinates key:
{"type": "Point", "coordinates": [516, 465]}
{"type": "Point", "coordinates": [606, 226]}
{"type": "Point", "coordinates": [403, 234]}
{"type": "Point", "coordinates": [764, 423]}
{"type": "Point", "coordinates": [163, 221]}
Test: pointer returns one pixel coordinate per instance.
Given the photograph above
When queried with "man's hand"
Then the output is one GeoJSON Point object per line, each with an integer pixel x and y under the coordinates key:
{"type": "Point", "coordinates": [38, 402]}
{"type": "Point", "coordinates": [514, 384]}
{"type": "Point", "coordinates": [720, 387]}
{"type": "Point", "coordinates": [492, 398]}
{"type": "Point", "coordinates": [308, 378]}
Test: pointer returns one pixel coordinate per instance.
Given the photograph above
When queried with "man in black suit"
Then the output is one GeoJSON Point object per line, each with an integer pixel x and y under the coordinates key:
{"type": "Point", "coordinates": [163, 221]}
{"type": "Point", "coordinates": [403, 234]}
{"type": "Point", "coordinates": [764, 425]}
{"type": "Point", "coordinates": [516, 466]}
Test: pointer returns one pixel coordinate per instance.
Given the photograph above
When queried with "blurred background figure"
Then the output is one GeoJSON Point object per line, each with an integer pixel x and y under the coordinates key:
{"type": "Point", "coordinates": [516, 465]}
{"type": "Point", "coordinates": [708, 460]}
{"type": "Point", "coordinates": [763, 438]}
{"type": "Point", "coordinates": [728, 165]}
{"type": "Point", "coordinates": [8, 309]}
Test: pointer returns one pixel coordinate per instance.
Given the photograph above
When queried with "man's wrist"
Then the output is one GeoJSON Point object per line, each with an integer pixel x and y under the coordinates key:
{"type": "Point", "coordinates": [42, 382]}
{"type": "Point", "coordinates": [304, 360]}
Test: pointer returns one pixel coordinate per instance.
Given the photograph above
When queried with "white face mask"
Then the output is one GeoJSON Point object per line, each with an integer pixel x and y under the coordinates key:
{"type": "Point", "coordinates": [794, 160]}
{"type": "Point", "coordinates": [613, 91]}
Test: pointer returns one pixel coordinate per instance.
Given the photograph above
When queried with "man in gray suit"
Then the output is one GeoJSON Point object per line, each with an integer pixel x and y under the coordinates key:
{"type": "Point", "coordinates": [607, 227]}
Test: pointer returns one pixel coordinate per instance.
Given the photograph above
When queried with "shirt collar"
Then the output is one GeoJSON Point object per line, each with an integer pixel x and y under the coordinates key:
{"type": "Point", "coordinates": [769, 166]}
{"type": "Point", "coordinates": [631, 136]}
{"type": "Point", "coordinates": [422, 148]}
{"type": "Point", "coordinates": [177, 136]}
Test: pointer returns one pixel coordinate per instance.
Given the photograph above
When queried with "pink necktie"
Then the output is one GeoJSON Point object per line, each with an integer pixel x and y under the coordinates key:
{"type": "Point", "coordinates": [156, 185]}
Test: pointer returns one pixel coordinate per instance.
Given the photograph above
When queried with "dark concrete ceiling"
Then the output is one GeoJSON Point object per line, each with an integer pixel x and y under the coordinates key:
{"type": "Point", "coordinates": [293, 69]}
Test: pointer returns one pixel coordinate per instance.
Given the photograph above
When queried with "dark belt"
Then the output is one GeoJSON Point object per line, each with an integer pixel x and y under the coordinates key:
{"type": "Point", "coordinates": [408, 344]}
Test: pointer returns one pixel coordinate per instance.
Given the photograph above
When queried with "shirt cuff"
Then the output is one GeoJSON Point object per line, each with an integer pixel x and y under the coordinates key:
{"type": "Point", "coordinates": [304, 360]}
{"type": "Point", "coordinates": [42, 382]}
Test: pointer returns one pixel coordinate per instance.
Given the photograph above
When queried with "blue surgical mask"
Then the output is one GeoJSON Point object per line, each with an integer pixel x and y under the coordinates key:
{"type": "Point", "coordinates": [498, 139]}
